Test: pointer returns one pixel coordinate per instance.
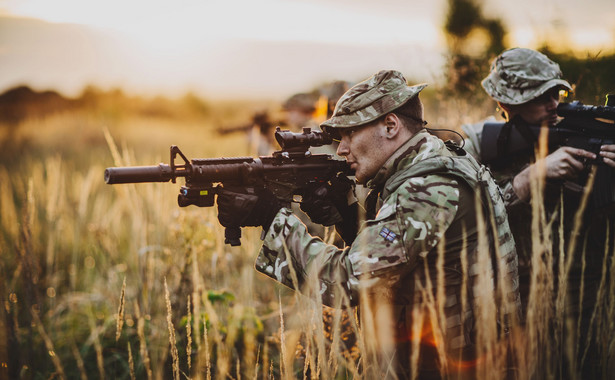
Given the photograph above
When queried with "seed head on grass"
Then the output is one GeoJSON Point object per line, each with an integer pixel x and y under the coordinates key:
{"type": "Point", "coordinates": [131, 364]}
{"type": "Point", "coordinates": [143, 342]}
{"type": "Point", "coordinates": [120, 313]}
{"type": "Point", "coordinates": [172, 340]}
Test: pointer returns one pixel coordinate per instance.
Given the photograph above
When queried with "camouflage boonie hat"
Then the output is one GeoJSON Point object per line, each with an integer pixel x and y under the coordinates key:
{"type": "Point", "coordinates": [371, 99]}
{"type": "Point", "coordinates": [519, 75]}
{"type": "Point", "coordinates": [303, 101]}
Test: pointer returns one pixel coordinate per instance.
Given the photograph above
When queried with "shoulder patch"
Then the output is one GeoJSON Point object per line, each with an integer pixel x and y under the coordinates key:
{"type": "Point", "coordinates": [388, 234]}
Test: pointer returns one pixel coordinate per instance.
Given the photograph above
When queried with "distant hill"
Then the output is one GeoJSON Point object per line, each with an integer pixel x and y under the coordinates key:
{"type": "Point", "coordinates": [20, 102]}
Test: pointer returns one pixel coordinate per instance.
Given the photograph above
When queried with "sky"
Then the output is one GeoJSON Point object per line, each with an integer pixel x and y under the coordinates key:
{"type": "Point", "coordinates": [257, 48]}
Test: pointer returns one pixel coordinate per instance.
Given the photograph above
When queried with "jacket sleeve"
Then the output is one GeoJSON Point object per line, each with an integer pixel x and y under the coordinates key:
{"type": "Point", "coordinates": [407, 227]}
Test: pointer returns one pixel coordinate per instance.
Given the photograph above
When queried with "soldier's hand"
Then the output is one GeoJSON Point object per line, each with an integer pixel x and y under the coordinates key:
{"type": "Point", "coordinates": [326, 203]}
{"type": "Point", "coordinates": [566, 162]}
{"type": "Point", "coordinates": [608, 154]}
{"type": "Point", "coordinates": [243, 207]}
{"type": "Point", "coordinates": [334, 203]}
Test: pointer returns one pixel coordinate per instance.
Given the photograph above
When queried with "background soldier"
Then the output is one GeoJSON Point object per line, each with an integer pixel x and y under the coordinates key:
{"type": "Point", "coordinates": [299, 110]}
{"type": "Point", "coordinates": [526, 84]}
{"type": "Point", "coordinates": [421, 211]}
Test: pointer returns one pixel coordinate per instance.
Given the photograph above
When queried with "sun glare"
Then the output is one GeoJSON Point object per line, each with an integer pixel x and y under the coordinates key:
{"type": "Point", "coordinates": [581, 40]}
{"type": "Point", "coordinates": [161, 24]}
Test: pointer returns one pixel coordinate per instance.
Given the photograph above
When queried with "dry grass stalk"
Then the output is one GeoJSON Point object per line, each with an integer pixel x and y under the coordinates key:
{"type": "Point", "coordinates": [189, 334]}
{"type": "Point", "coordinates": [210, 311]}
{"type": "Point", "coordinates": [79, 360]}
{"type": "Point", "coordinates": [120, 313]}
{"type": "Point", "coordinates": [95, 336]}
{"type": "Point", "coordinates": [115, 153]}
{"type": "Point", "coordinates": [271, 371]}
{"type": "Point", "coordinates": [172, 340]}
{"type": "Point", "coordinates": [256, 365]}
{"type": "Point", "coordinates": [539, 306]}
{"type": "Point", "coordinates": [484, 296]}
{"type": "Point", "coordinates": [283, 353]}
{"type": "Point", "coordinates": [48, 344]}
{"type": "Point", "coordinates": [8, 216]}
{"type": "Point", "coordinates": [207, 354]}
{"type": "Point", "coordinates": [53, 191]}
{"type": "Point", "coordinates": [600, 308]}
{"type": "Point", "coordinates": [196, 304]}
{"type": "Point", "coordinates": [131, 363]}
{"type": "Point", "coordinates": [418, 319]}
{"type": "Point", "coordinates": [143, 351]}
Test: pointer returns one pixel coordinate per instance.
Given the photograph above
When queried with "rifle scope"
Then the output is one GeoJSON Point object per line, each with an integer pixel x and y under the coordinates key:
{"type": "Point", "coordinates": [289, 140]}
{"type": "Point", "coordinates": [579, 110]}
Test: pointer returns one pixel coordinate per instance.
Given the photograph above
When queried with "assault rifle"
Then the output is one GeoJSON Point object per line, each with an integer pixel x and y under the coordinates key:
{"type": "Point", "coordinates": [586, 127]}
{"type": "Point", "coordinates": [287, 173]}
{"type": "Point", "coordinates": [259, 120]}
{"type": "Point", "coordinates": [582, 126]}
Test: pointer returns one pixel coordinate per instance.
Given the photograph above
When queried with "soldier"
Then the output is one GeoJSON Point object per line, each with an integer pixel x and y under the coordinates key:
{"type": "Point", "coordinates": [419, 246]}
{"type": "Point", "coordinates": [526, 84]}
{"type": "Point", "coordinates": [299, 110]}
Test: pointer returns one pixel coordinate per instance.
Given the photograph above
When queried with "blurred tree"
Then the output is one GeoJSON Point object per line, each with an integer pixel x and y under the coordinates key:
{"type": "Point", "coordinates": [472, 40]}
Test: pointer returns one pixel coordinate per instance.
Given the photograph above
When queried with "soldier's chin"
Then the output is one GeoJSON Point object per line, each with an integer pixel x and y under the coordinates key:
{"type": "Point", "coordinates": [360, 179]}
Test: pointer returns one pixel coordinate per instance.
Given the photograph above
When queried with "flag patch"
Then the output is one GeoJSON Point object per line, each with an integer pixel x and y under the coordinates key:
{"type": "Point", "coordinates": [388, 234]}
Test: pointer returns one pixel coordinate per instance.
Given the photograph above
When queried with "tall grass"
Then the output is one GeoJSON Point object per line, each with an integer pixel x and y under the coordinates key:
{"type": "Point", "coordinates": [118, 282]}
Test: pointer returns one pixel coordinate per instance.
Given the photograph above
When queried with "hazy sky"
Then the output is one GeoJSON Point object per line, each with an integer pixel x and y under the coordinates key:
{"type": "Point", "coordinates": [256, 47]}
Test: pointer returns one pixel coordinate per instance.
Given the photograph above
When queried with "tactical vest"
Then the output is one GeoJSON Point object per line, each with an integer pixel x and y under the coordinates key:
{"type": "Point", "coordinates": [503, 255]}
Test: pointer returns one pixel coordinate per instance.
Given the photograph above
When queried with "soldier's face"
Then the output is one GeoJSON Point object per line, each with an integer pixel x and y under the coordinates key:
{"type": "Point", "coordinates": [362, 148]}
{"type": "Point", "coordinates": [539, 111]}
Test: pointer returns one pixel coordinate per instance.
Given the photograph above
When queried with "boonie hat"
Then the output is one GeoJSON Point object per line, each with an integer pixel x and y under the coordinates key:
{"type": "Point", "coordinates": [302, 102]}
{"type": "Point", "coordinates": [519, 75]}
{"type": "Point", "coordinates": [370, 99]}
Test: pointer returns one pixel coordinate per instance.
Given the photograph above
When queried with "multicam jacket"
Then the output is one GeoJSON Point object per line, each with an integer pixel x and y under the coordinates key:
{"type": "Point", "coordinates": [427, 203]}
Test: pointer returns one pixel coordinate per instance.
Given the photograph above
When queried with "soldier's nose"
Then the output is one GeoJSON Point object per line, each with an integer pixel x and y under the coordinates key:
{"type": "Point", "coordinates": [342, 148]}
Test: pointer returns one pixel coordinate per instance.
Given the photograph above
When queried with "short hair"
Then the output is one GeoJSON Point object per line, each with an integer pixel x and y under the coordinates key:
{"type": "Point", "coordinates": [411, 114]}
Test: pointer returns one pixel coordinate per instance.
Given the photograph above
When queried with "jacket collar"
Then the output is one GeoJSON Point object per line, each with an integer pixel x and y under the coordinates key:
{"type": "Point", "coordinates": [422, 145]}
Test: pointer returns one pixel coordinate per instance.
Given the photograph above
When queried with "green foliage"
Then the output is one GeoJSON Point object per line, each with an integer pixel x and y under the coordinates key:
{"type": "Point", "coordinates": [473, 40]}
{"type": "Point", "coordinates": [592, 76]}
{"type": "Point", "coordinates": [462, 17]}
{"type": "Point", "coordinates": [224, 296]}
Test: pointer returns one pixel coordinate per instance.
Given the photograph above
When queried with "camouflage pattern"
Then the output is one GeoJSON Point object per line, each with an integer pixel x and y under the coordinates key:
{"type": "Point", "coordinates": [519, 75]}
{"type": "Point", "coordinates": [423, 206]}
{"type": "Point", "coordinates": [370, 99]}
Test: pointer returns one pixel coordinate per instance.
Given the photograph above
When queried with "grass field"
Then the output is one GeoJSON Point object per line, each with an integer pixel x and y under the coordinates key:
{"type": "Point", "coordinates": [102, 281]}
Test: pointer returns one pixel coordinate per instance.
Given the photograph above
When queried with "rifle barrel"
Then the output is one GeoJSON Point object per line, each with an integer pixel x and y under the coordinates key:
{"type": "Point", "coordinates": [139, 174]}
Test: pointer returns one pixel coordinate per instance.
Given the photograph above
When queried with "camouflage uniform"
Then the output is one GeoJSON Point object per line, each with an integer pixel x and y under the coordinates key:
{"type": "Point", "coordinates": [518, 76]}
{"type": "Point", "coordinates": [426, 203]}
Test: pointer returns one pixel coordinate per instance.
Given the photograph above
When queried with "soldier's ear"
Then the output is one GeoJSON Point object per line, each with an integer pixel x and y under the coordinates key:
{"type": "Point", "coordinates": [506, 107]}
{"type": "Point", "coordinates": [392, 124]}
